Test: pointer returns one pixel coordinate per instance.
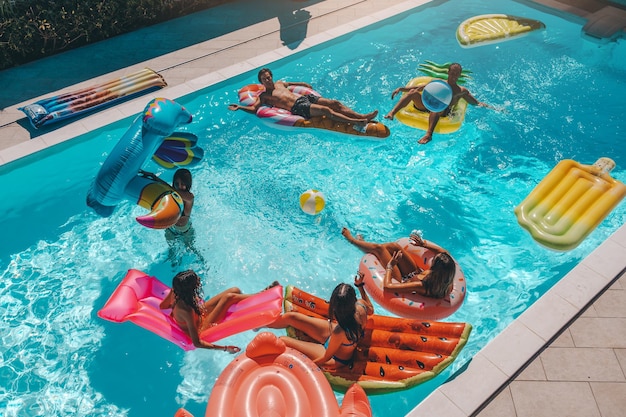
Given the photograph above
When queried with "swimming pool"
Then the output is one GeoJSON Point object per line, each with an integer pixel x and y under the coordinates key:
{"type": "Point", "coordinates": [249, 200]}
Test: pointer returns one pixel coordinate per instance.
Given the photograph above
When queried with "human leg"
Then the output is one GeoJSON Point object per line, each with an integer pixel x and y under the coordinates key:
{"type": "Point", "coordinates": [411, 96]}
{"type": "Point", "coordinates": [311, 349]}
{"type": "Point", "coordinates": [338, 107]}
{"type": "Point", "coordinates": [217, 306]}
{"type": "Point", "coordinates": [433, 119]}
{"type": "Point", "coordinates": [384, 252]}
{"type": "Point", "coordinates": [318, 329]}
{"type": "Point", "coordinates": [319, 110]}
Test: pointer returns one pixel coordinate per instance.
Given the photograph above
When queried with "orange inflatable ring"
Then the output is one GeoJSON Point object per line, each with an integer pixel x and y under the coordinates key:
{"type": "Point", "coordinates": [407, 304]}
{"type": "Point", "coordinates": [394, 354]}
{"type": "Point", "coordinates": [270, 379]}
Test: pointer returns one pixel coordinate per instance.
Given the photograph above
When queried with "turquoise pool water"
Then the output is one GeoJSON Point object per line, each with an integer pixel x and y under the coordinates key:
{"type": "Point", "coordinates": [59, 262]}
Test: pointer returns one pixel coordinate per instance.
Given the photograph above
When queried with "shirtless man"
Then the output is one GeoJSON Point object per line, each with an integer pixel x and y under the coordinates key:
{"type": "Point", "coordinates": [414, 94]}
{"type": "Point", "coordinates": [277, 94]}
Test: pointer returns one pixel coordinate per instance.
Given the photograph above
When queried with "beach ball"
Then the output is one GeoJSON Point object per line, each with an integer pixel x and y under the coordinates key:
{"type": "Point", "coordinates": [312, 202]}
{"type": "Point", "coordinates": [437, 95]}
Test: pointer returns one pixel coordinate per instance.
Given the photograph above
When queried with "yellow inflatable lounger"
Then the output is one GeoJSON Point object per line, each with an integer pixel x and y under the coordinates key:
{"type": "Point", "coordinates": [491, 28]}
{"type": "Point", "coordinates": [569, 203]}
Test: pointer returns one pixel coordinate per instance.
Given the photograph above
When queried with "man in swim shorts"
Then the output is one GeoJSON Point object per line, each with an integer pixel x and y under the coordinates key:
{"type": "Point", "coordinates": [414, 94]}
{"type": "Point", "coordinates": [277, 94]}
{"type": "Point", "coordinates": [302, 106]}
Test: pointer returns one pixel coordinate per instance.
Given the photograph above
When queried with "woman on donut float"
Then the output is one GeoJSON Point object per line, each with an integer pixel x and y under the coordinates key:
{"type": "Point", "coordinates": [402, 274]}
{"type": "Point", "coordinates": [332, 345]}
{"type": "Point", "coordinates": [277, 94]}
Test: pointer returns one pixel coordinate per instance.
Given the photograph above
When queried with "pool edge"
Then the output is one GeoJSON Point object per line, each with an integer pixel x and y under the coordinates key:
{"type": "Point", "coordinates": [461, 396]}
{"type": "Point", "coordinates": [495, 366]}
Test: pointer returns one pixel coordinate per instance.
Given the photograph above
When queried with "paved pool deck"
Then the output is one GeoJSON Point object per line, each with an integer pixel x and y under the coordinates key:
{"type": "Point", "coordinates": [565, 356]}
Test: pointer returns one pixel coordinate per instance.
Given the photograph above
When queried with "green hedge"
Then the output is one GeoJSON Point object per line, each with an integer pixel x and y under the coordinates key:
{"type": "Point", "coordinates": [30, 30]}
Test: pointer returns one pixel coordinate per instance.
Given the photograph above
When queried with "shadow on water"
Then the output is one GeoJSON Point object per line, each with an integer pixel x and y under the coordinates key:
{"type": "Point", "coordinates": [131, 363]}
{"type": "Point", "coordinates": [62, 70]}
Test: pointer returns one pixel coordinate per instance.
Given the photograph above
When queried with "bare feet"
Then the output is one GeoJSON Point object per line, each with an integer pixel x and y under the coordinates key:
{"type": "Point", "coordinates": [371, 115]}
{"type": "Point", "coordinates": [425, 139]}
{"type": "Point", "coordinates": [389, 116]}
{"type": "Point", "coordinates": [346, 233]}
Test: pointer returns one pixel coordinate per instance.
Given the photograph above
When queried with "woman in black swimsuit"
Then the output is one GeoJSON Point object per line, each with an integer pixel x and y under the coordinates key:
{"type": "Point", "coordinates": [335, 343]}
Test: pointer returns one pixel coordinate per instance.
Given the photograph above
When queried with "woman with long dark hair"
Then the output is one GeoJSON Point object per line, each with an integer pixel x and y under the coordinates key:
{"type": "Point", "coordinates": [335, 343]}
{"type": "Point", "coordinates": [194, 315]}
{"type": "Point", "coordinates": [403, 274]}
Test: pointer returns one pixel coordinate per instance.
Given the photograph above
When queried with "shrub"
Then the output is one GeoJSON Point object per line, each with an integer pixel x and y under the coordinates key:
{"type": "Point", "coordinates": [30, 30]}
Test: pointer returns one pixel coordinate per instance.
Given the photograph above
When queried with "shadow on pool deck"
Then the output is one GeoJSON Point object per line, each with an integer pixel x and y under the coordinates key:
{"type": "Point", "coordinates": [53, 73]}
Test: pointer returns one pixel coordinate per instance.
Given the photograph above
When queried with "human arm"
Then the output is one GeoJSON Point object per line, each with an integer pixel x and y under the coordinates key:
{"type": "Point", "coordinates": [199, 343]}
{"type": "Point", "coordinates": [250, 109]}
{"type": "Point", "coordinates": [297, 83]}
{"type": "Point", "coordinates": [188, 317]}
{"type": "Point", "coordinates": [168, 301]}
{"type": "Point", "coordinates": [413, 285]}
{"type": "Point", "coordinates": [419, 88]}
{"type": "Point", "coordinates": [365, 301]}
{"type": "Point", "coordinates": [416, 240]}
{"type": "Point", "coordinates": [188, 200]}
{"type": "Point", "coordinates": [467, 96]}
{"type": "Point", "coordinates": [151, 176]}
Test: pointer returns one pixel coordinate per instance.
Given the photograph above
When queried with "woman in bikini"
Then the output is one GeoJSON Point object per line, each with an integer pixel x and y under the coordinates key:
{"type": "Point", "coordinates": [335, 343]}
{"type": "Point", "coordinates": [403, 274]}
{"type": "Point", "coordinates": [192, 314]}
{"type": "Point", "coordinates": [182, 184]}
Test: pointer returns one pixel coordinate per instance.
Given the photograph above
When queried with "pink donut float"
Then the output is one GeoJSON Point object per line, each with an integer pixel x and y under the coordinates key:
{"type": "Point", "coordinates": [406, 304]}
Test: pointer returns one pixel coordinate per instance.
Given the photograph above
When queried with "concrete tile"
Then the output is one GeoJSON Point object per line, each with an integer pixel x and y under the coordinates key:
{"type": "Point", "coordinates": [621, 357]}
{"type": "Point", "coordinates": [548, 315]}
{"type": "Point", "coordinates": [22, 149]}
{"type": "Point", "coordinates": [581, 285]}
{"type": "Point", "coordinates": [581, 364]}
{"type": "Point", "coordinates": [620, 284]}
{"type": "Point", "coordinates": [475, 385]}
{"type": "Point", "coordinates": [550, 399]}
{"type": "Point", "coordinates": [264, 59]}
{"type": "Point", "coordinates": [564, 340]}
{"type": "Point", "coordinates": [589, 312]}
{"type": "Point", "coordinates": [607, 259]}
{"type": "Point", "coordinates": [610, 397]}
{"type": "Point", "coordinates": [611, 304]}
{"type": "Point", "coordinates": [508, 359]}
{"type": "Point", "coordinates": [599, 332]}
{"type": "Point", "coordinates": [436, 404]}
{"type": "Point", "coordinates": [63, 134]}
{"type": "Point", "coordinates": [533, 372]}
{"type": "Point", "coordinates": [501, 406]}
